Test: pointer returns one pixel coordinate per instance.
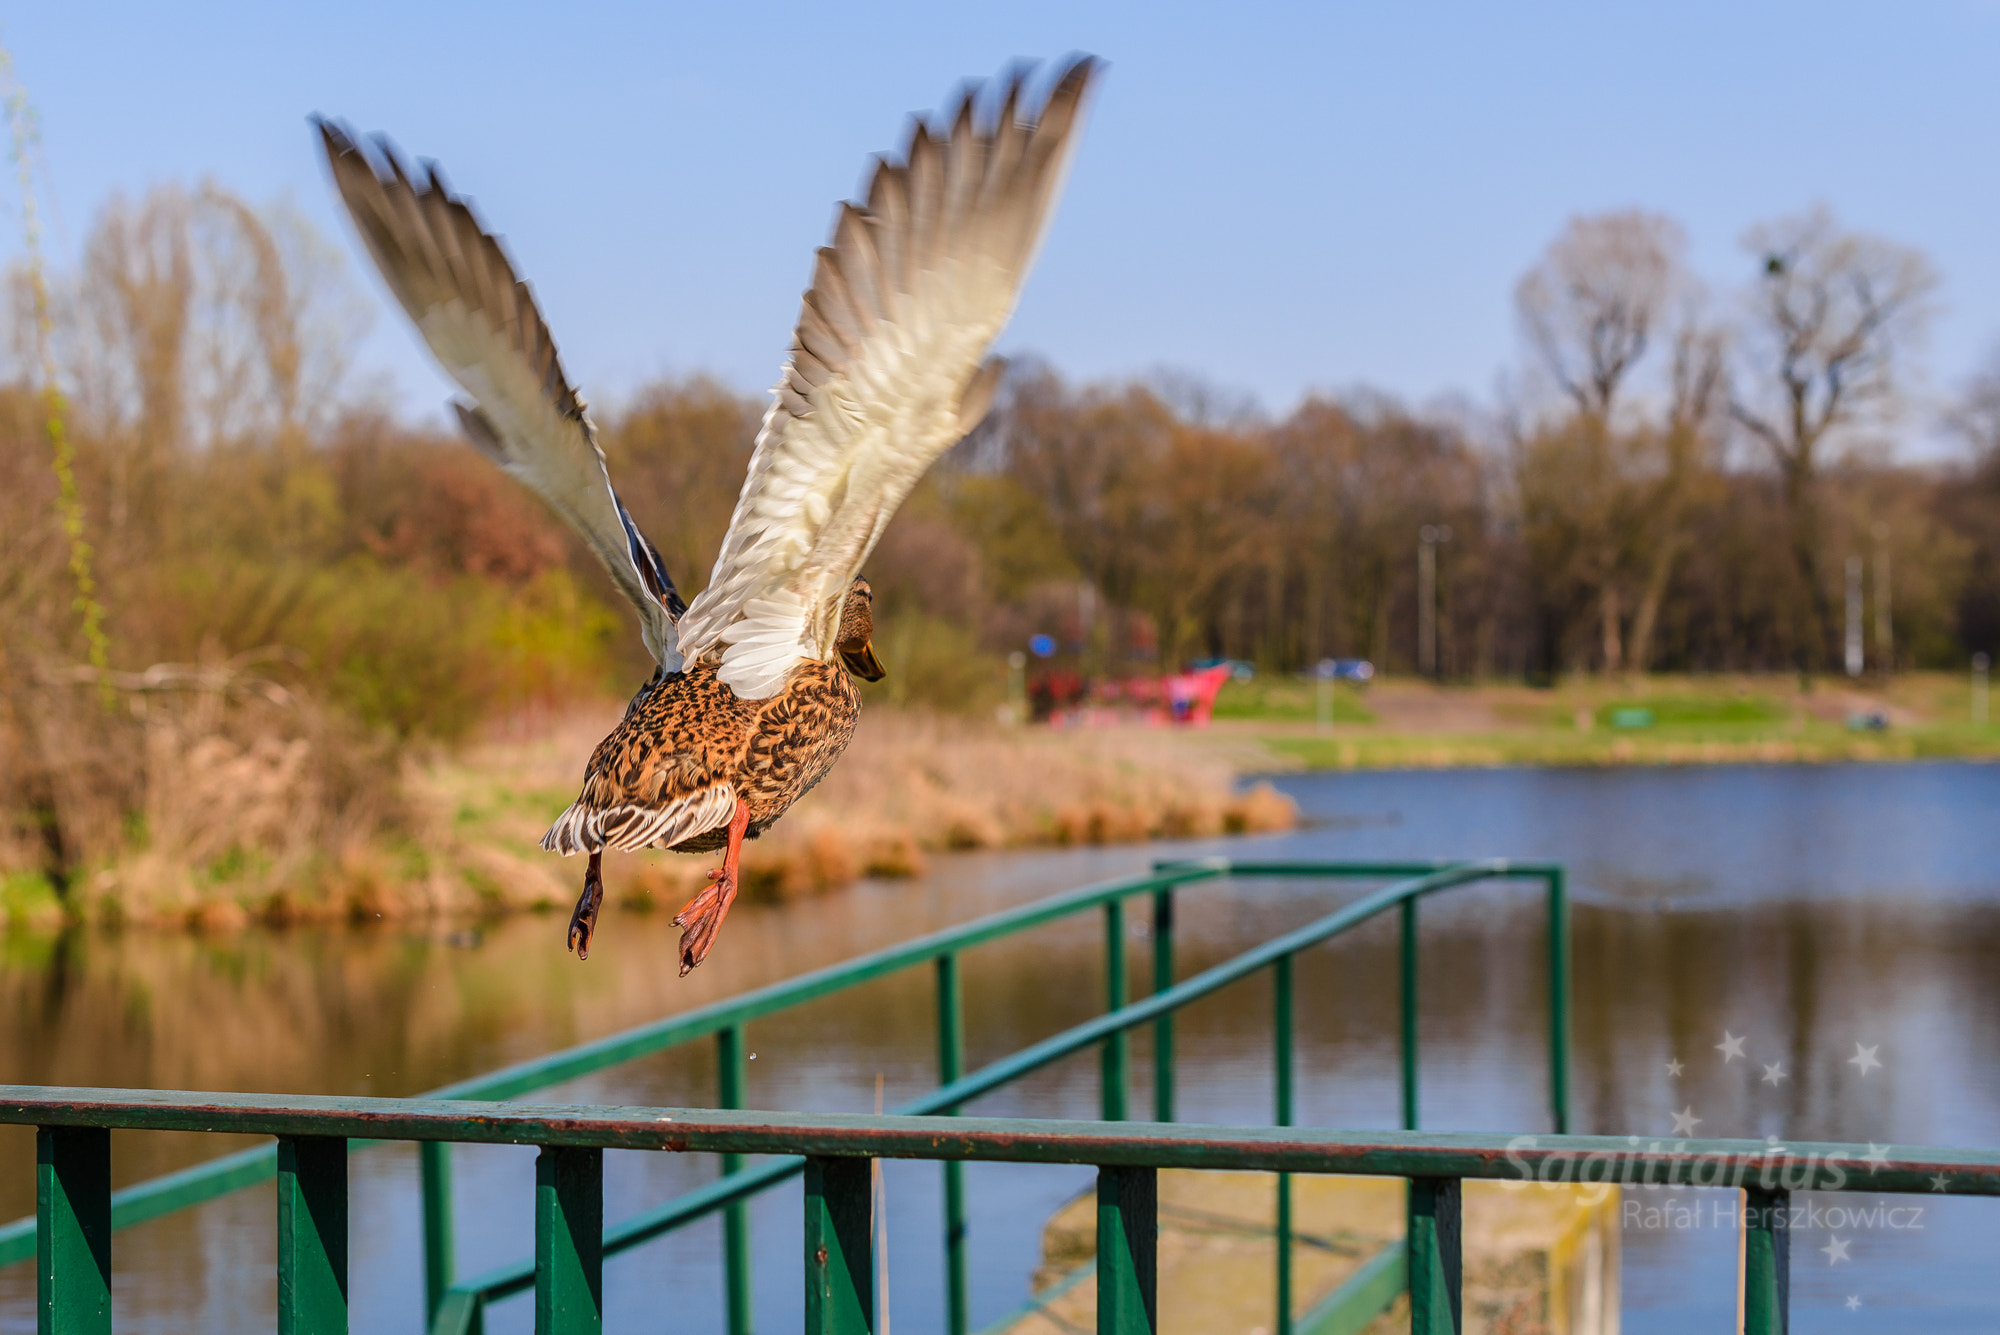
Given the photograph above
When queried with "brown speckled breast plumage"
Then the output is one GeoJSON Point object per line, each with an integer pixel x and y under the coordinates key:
{"type": "Point", "coordinates": [687, 733]}
{"type": "Point", "coordinates": [695, 767]}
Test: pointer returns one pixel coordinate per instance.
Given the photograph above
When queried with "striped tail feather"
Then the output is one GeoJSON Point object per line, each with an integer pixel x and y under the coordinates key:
{"type": "Point", "coordinates": [629, 827]}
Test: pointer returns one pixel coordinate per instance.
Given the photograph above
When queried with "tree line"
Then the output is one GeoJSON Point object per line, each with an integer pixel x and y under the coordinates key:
{"type": "Point", "coordinates": [1676, 478]}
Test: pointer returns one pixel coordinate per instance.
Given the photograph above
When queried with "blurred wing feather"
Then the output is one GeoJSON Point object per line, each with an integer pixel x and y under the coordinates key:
{"type": "Point", "coordinates": [885, 372]}
{"type": "Point", "coordinates": [481, 323]}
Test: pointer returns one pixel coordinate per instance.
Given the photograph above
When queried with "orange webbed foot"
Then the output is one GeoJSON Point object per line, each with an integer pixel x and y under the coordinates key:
{"type": "Point", "coordinates": [701, 918]}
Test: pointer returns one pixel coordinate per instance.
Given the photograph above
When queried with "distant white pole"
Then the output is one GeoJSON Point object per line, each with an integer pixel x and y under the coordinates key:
{"type": "Point", "coordinates": [1980, 662]}
{"type": "Point", "coordinates": [1426, 598]}
{"type": "Point", "coordinates": [1885, 632]}
{"type": "Point", "coordinates": [1428, 537]}
{"type": "Point", "coordinates": [1853, 616]}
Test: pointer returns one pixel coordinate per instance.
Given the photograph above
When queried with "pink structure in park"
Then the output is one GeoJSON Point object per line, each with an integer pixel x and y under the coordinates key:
{"type": "Point", "coordinates": [1067, 700]}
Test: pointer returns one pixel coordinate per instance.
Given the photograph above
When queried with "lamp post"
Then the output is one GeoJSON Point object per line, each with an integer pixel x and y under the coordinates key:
{"type": "Point", "coordinates": [1853, 616]}
{"type": "Point", "coordinates": [1980, 662]}
{"type": "Point", "coordinates": [1428, 538]}
{"type": "Point", "coordinates": [1885, 633]}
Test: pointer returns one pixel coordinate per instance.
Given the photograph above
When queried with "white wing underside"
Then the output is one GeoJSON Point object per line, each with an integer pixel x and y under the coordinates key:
{"type": "Point", "coordinates": [629, 827]}
{"type": "Point", "coordinates": [886, 372]}
{"type": "Point", "coordinates": [481, 323]}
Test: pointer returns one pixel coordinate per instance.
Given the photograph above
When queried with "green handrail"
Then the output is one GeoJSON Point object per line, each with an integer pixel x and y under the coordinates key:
{"type": "Point", "coordinates": [73, 1210]}
{"type": "Point", "coordinates": [457, 1307]}
{"type": "Point", "coordinates": [1797, 1165]}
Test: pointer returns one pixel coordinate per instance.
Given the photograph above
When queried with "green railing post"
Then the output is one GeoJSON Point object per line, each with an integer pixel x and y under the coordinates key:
{"type": "Point", "coordinates": [951, 1065]}
{"type": "Point", "coordinates": [1409, 1014]}
{"type": "Point", "coordinates": [463, 1312]}
{"type": "Point", "coordinates": [840, 1233]}
{"type": "Point", "coordinates": [312, 1235]}
{"type": "Point", "coordinates": [1767, 1262]}
{"type": "Point", "coordinates": [1435, 1256]}
{"type": "Point", "coordinates": [73, 1230]}
{"type": "Point", "coordinates": [1112, 1094]}
{"type": "Point", "coordinates": [569, 1241]}
{"type": "Point", "coordinates": [1281, 1028]}
{"type": "Point", "coordinates": [733, 1077]}
{"type": "Point", "coordinates": [1559, 1000]}
{"type": "Point", "coordinates": [1163, 1028]}
{"type": "Point", "coordinates": [1128, 1232]}
{"type": "Point", "coordinates": [440, 1264]}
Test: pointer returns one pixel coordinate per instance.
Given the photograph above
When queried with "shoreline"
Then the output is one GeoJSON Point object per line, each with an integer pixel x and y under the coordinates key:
{"type": "Point", "coordinates": [912, 786]}
{"type": "Point", "coordinates": [1403, 751]}
{"type": "Point", "coordinates": [1596, 722]}
{"type": "Point", "coordinates": [916, 785]}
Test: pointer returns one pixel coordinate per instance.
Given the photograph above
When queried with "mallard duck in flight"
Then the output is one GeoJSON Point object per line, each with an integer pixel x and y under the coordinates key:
{"type": "Point", "coordinates": [753, 700]}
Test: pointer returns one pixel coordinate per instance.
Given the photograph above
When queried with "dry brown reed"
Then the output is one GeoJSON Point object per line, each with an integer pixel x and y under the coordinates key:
{"type": "Point", "coordinates": [913, 785]}
{"type": "Point", "coordinates": [199, 790]}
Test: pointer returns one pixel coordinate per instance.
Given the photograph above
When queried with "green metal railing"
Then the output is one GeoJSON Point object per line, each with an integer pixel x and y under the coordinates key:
{"type": "Point", "coordinates": [73, 1219]}
{"type": "Point", "coordinates": [455, 1306]}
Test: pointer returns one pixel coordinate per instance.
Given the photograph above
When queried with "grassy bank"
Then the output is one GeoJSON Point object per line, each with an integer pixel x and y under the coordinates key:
{"type": "Point", "coordinates": [1654, 721]}
{"type": "Point", "coordinates": [913, 785]}
{"type": "Point", "coordinates": [917, 785]}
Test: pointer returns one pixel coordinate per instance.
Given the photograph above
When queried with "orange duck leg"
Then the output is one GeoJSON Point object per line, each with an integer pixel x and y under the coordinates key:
{"type": "Point", "coordinates": [701, 918]}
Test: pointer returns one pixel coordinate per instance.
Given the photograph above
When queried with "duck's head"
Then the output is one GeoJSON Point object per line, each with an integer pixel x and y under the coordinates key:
{"type": "Point", "coordinates": [857, 627]}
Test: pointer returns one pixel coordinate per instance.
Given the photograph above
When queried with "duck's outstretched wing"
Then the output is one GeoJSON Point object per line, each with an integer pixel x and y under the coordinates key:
{"type": "Point", "coordinates": [480, 321]}
{"type": "Point", "coordinates": [886, 371]}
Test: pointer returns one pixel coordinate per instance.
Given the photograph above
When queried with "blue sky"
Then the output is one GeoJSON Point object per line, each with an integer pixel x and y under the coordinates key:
{"type": "Point", "coordinates": [1278, 198]}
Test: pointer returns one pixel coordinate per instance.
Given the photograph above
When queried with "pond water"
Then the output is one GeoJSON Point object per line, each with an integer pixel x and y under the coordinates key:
{"type": "Point", "coordinates": [1805, 910]}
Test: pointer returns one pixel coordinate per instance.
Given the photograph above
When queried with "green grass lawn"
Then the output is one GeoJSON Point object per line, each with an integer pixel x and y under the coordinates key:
{"type": "Point", "coordinates": [1691, 711]}
{"type": "Point", "coordinates": [1664, 721]}
{"type": "Point", "coordinates": [1781, 741]}
{"type": "Point", "coordinates": [1287, 700]}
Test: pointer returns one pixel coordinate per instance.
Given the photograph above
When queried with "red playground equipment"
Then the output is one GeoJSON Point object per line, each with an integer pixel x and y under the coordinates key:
{"type": "Point", "coordinates": [1064, 699]}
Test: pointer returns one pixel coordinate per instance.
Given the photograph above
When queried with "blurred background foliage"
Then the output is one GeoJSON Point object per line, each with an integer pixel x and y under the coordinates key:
{"type": "Point", "coordinates": [1672, 482]}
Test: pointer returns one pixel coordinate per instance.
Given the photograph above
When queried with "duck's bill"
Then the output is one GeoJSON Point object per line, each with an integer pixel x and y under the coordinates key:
{"type": "Point", "coordinates": [863, 663]}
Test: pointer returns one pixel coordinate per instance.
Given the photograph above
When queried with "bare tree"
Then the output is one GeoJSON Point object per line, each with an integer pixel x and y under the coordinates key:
{"type": "Point", "coordinates": [131, 344]}
{"type": "Point", "coordinates": [1975, 419]}
{"type": "Point", "coordinates": [1590, 308]}
{"type": "Point", "coordinates": [1834, 314]}
{"type": "Point", "coordinates": [199, 319]}
{"type": "Point", "coordinates": [1688, 443]}
{"type": "Point", "coordinates": [1593, 302]}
